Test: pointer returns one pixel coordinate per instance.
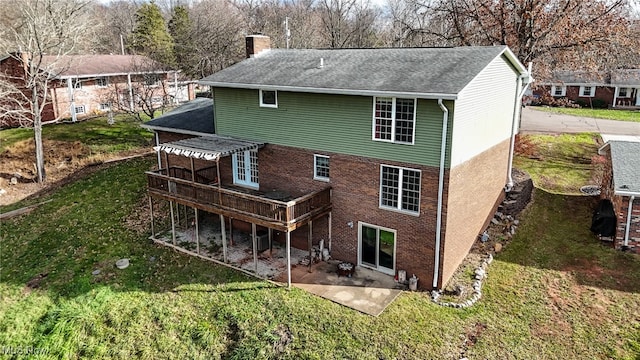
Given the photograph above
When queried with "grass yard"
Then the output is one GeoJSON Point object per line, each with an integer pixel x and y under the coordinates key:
{"type": "Point", "coordinates": [125, 134]}
{"type": "Point", "coordinates": [620, 115]}
{"type": "Point", "coordinates": [560, 163]}
{"type": "Point", "coordinates": [553, 293]}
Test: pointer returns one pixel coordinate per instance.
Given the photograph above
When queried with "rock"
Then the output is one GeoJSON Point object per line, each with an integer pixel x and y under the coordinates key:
{"type": "Point", "coordinates": [497, 247]}
{"type": "Point", "coordinates": [3, 191]}
{"type": "Point", "coordinates": [95, 272]}
{"type": "Point", "coordinates": [516, 222]}
{"type": "Point", "coordinates": [495, 221]}
{"type": "Point", "coordinates": [152, 258]}
{"type": "Point", "coordinates": [13, 181]}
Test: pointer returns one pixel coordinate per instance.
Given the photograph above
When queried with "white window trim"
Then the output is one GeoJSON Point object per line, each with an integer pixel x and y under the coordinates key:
{"type": "Point", "coordinates": [315, 167]}
{"type": "Point", "coordinates": [395, 247]}
{"type": "Point", "coordinates": [562, 93]}
{"type": "Point", "coordinates": [274, 106]}
{"type": "Point", "coordinates": [592, 91]}
{"type": "Point", "coordinates": [84, 109]}
{"type": "Point", "coordinates": [400, 190]}
{"type": "Point", "coordinates": [628, 92]}
{"type": "Point", "coordinates": [104, 108]}
{"type": "Point", "coordinates": [247, 163]}
{"type": "Point", "coordinates": [393, 125]}
{"type": "Point", "coordinates": [77, 84]}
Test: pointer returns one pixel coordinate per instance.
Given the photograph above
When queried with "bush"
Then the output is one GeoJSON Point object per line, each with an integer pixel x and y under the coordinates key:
{"type": "Point", "coordinates": [599, 104]}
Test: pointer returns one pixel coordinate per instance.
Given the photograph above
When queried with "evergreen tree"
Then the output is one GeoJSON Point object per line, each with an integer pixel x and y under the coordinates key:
{"type": "Point", "coordinates": [150, 36]}
{"type": "Point", "coordinates": [180, 29]}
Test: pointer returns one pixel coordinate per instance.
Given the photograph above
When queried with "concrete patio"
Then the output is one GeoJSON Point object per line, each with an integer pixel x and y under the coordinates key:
{"type": "Point", "coordinates": [367, 291]}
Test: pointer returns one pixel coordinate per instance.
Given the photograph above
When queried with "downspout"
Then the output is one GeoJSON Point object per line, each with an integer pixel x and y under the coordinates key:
{"type": "Point", "coordinates": [626, 230]}
{"type": "Point", "coordinates": [443, 154]}
{"type": "Point", "coordinates": [157, 138]}
{"type": "Point", "coordinates": [515, 123]}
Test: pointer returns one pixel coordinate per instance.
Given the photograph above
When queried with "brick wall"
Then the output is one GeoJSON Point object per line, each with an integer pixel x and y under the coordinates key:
{"type": "Point", "coordinates": [634, 228]}
{"type": "Point", "coordinates": [476, 188]}
{"type": "Point", "coordinates": [602, 92]}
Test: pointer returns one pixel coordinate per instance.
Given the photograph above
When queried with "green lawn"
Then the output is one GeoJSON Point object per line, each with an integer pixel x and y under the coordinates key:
{"type": "Point", "coordinates": [554, 293]}
{"type": "Point", "coordinates": [621, 115]}
{"type": "Point", "coordinates": [125, 134]}
{"type": "Point", "coordinates": [559, 163]}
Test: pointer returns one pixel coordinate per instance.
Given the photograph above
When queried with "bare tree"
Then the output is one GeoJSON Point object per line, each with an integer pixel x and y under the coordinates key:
{"type": "Point", "coordinates": [145, 91]}
{"type": "Point", "coordinates": [51, 27]}
{"type": "Point", "coordinates": [349, 23]}
{"type": "Point", "coordinates": [556, 33]}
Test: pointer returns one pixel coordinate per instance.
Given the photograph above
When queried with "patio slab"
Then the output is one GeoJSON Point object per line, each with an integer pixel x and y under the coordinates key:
{"type": "Point", "coordinates": [367, 291]}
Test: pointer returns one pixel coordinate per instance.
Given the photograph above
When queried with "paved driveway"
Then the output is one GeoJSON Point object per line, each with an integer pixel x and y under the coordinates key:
{"type": "Point", "coordinates": [542, 121]}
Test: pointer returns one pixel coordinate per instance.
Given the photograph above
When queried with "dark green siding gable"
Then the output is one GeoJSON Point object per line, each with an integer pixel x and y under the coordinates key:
{"type": "Point", "coordinates": [324, 122]}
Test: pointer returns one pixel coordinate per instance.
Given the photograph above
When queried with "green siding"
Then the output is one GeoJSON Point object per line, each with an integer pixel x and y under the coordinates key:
{"type": "Point", "coordinates": [324, 122]}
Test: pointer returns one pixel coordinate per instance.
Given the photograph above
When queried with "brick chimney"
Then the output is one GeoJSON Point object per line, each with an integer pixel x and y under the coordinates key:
{"type": "Point", "coordinates": [257, 44]}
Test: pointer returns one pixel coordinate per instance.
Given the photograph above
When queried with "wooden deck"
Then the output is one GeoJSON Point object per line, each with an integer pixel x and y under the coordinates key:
{"type": "Point", "coordinates": [202, 191]}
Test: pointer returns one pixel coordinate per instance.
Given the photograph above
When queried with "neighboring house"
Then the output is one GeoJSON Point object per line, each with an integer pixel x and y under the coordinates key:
{"type": "Point", "coordinates": [621, 185]}
{"type": "Point", "coordinates": [89, 84]}
{"type": "Point", "coordinates": [396, 158]}
{"type": "Point", "coordinates": [616, 89]}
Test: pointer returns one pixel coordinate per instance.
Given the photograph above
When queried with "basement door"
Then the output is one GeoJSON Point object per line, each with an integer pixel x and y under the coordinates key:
{"type": "Point", "coordinates": [245, 168]}
{"type": "Point", "coordinates": [377, 248]}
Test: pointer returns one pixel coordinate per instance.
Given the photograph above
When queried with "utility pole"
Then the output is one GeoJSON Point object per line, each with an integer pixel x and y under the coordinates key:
{"type": "Point", "coordinates": [287, 32]}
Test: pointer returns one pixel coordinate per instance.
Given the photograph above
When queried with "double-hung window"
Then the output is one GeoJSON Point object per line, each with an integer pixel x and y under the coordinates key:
{"type": "Point", "coordinates": [394, 119]}
{"type": "Point", "coordinates": [400, 189]}
{"type": "Point", "coordinates": [623, 92]}
{"type": "Point", "coordinates": [558, 90]}
{"type": "Point", "coordinates": [587, 91]}
{"type": "Point", "coordinates": [321, 167]}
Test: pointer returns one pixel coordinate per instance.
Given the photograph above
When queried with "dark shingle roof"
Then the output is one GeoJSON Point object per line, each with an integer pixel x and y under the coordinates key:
{"type": "Point", "coordinates": [99, 65]}
{"type": "Point", "coordinates": [625, 160]}
{"type": "Point", "coordinates": [194, 118]}
{"type": "Point", "coordinates": [625, 77]}
{"type": "Point", "coordinates": [398, 70]}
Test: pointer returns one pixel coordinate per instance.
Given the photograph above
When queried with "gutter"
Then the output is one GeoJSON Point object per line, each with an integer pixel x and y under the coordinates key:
{"type": "Point", "coordinates": [443, 148]}
{"type": "Point", "coordinates": [516, 121]}
{"type": "Point", "coordinates": [431, 96]}
{"type": "Point", "coordinates": [629, 211]}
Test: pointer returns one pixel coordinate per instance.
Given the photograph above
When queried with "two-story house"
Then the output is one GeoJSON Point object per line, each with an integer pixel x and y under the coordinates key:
{"type": "Point", "coordinates": [397, 158]}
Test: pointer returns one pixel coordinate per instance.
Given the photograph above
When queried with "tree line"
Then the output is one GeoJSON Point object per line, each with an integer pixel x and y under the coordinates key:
{"type": "Point", "coordinates": [201, 37]}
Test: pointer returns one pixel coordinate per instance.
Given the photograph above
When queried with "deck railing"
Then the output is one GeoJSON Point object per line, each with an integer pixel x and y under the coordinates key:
{"type": "Point", "coordinates": [287, 213]}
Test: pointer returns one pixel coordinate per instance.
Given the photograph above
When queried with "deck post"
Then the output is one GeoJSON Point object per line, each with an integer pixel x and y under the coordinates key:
{"type": "Point", "coordinates": [178, 214]}
{"type": "Point", "coordinates": [310, 239]}
{"type": "Point", "coordinates": [193, 170]}
{"type": "Point", "coordinates": [270, 230]}
{"type": "Point", "coordinates": [224, 238]}
{"type": "Point", "coordinates": [255, 247]}
{"type": "Point", "coordinates": [153, 232]}
{"type": "Point", "coordinates": [329, 231]}
{"type": "Point", "coordinates": [197, 232]}
{"type": "Point", "coordinates": [173, 224]}
{"type": "Point", "coordinates": [288, 260]}
{"type": "Point", "coordinates": [231, 231]}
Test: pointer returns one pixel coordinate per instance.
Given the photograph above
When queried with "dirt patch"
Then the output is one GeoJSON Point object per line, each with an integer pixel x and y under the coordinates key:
{"type": "Point", "coordinates": [34, 283]}
{"type": "Point", "coordinates": [471, 337]}
{"type": "Point", "coordinates": [64, 162]}
{"type": "Point", "coordinates": [283, 337]}
{"type": "Point", "coordinates": [139, 219]}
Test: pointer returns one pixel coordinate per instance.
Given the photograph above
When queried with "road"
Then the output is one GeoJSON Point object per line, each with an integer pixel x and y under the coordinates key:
{"type": "Point", "coordinates": [542, 121]}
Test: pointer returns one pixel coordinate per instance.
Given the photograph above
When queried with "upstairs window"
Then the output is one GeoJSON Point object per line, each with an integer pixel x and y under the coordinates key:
{"type": "Point", "coordinates": [558, 90]}
{"type": "Point", "coordinates": [269, 98]}
{"type": "Point", "coordinates": [152, 79]}
{"type": "Point", "coordinates": [102, 82]}
{"type": "Point", "coordinates": [79, 109]}
{"type": "Point", "coordinates": [587, 91]}
{"type": "Point", "coordinates": [400, 189]}
{"type": "Point", "coordinates": [105, 106]}
{"type": "Point", "coordinates": [394, 119]}
{"type": "Point", "coordinates": [77, 84]}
